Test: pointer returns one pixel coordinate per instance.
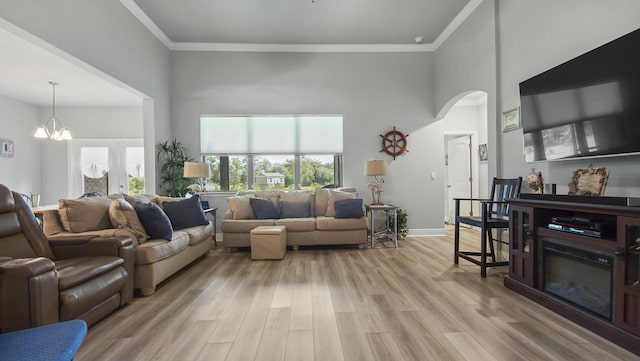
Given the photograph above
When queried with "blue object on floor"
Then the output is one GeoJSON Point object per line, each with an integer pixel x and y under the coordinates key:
{"type": "Point", "coordinates": [55, 342]}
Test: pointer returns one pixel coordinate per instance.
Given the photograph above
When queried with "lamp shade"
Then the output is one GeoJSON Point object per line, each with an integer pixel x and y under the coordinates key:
{"type": "Point", "coordinates": [375, 168]}
{"type": "Point", "coordinates": [196, 170]}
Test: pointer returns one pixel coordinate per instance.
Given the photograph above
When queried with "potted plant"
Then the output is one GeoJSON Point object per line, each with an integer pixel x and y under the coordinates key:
{"type": "Point", "coordinates": [172, 155]}
{"type": "Point", "coordinates": [403, 226]}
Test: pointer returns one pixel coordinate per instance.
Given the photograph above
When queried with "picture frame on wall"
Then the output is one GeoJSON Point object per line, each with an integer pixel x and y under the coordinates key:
{"type": "Point", "coordinates": [511, 120]}
{"type": "Point", "coordinates": [6, 148]}
{"type": "Point", "coordinates": [483, 152]}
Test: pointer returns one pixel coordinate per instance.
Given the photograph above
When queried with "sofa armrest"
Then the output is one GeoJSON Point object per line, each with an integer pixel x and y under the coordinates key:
{"type": "Point", "coordinates": [73, 246]}
{"type": "Point", "coordinates": [28, 293]}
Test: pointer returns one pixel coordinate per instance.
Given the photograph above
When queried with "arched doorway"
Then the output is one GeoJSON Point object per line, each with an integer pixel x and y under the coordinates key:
{"type": "Point", "coordinates": [465, 134]}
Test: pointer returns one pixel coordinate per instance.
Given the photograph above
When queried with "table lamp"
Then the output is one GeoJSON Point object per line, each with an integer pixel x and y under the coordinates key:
{"type": "Point", "coordinates": [196, 170]}
{"type": "Point", "coordinates": [376, 168]}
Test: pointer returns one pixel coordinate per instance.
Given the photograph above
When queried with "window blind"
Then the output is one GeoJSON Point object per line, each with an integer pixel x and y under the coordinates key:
{"type": "Point", "coordinates": [271, 134]}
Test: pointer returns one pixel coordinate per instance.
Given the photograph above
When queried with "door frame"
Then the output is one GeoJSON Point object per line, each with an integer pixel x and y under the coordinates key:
{"type": "Point", "coordinates": [117, 167]}
{"type": "Point", "coordinates": [474, 171]}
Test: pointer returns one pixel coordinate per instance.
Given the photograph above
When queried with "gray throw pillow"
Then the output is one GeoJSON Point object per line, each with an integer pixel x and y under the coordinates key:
{"type": "Point", "coordinates": [155, 222]}
{"type": "Point", "coordinates": [185, 213]}
{"type": "Point", "coordinates": [294, 209]}
{"type": "Point", "coordinates": [263, 208]}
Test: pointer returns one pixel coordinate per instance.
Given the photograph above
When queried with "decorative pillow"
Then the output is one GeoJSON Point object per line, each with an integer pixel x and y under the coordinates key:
{"type": "Point", "coordinates": [154, 220]}
{"type": "Point", "coordinates": [185, 213]}
{"type": "Point", "coordinates": [294, 209]}
{"type": "Point", "coordinates": [263, 208]}
{"type": "Point", "coordinates": [349, 208]}
{"type": "Point", "coordinates": [335, 196]}
{"type": "Point", "coordinates": [84, 214]}
{"type": "Point", "coordinates": [299, 196]}
{"type": "Point", "coordinates": [240, 207]}
{"type": "Point", "coordinates": [123, 216]}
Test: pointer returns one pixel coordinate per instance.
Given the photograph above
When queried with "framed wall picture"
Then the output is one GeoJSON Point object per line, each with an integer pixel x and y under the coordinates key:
{"type": "Point", "coordinates": [6, 148]}
{"type": "Point", "coordinates": [511, 120]}
{"type": "Point", "coordinates": [483, 152]}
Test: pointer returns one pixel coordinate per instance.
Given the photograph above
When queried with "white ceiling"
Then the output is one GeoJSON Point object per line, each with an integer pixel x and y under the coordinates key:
{"type": "Point", "coordinates": [246, 25]}
{"type": "Point", "coordinates": [26, 70]}
{"type": "Point", "coordinates": [302, 25]}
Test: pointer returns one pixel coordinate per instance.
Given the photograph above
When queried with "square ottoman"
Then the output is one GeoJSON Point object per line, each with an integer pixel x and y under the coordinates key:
{"type": "Point", "coordinates": [268, 242]}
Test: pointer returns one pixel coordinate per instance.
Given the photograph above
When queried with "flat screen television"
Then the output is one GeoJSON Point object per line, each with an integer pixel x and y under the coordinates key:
{"type": "Point", "coordinates": [586, 107]}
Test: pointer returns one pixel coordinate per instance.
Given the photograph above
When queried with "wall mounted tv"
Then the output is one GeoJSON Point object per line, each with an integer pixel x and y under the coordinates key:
{"type": "Point", "coordinates": [586, 107]}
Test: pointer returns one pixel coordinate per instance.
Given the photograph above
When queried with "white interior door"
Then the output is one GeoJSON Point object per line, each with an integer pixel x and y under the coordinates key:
{"type": "Point", "coordinates": [458, 175]}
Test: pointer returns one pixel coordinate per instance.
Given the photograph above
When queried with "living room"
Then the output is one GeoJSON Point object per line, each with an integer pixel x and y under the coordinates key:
{"type": "Point", "coordinates": [498, 45]}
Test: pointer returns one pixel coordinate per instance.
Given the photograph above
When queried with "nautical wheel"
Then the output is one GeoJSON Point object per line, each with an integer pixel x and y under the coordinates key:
{"type": "Point", "coordinates": [394, 143]}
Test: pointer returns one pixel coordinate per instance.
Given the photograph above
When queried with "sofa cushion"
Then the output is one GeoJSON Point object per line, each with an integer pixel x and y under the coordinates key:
{"type": "Point", "coordinates": [185, 213]}
{"type": "Point", "coordinates": [349, 208]}
{"type": "Point", "coordinates": [144, 198]}
{"type": "Point", "coordinates": [321, 200]}
{"type": "Point", "coordinates": [335, 195]}
{"type": "Point", "coordinates": [244, 225]}
{"type": "Point", "coordinates": [294, 209]}
{"type": "Point", "coordinates": [154, 220]}
{"type": "Point", "coordinates": [155, 250]}
{"type": "Point", "coordinates": [297, 224]}
{"type": "Point", "coordinates": [340, 224]}
{"type": "Point", "coordinates": [123, 216]}
{"type": "Point", "coordinates": [272, 195]}
{"type": "Point", "coordinates": [263, 208]}
{"type": "Point", "coordinates": [84, 214]}
{"type": "Point", "coordinates": [240, 206]}
{"type": "Point", "coordinates": [198, 234]}
{"type": "Point", "coordinates": [298, 196]}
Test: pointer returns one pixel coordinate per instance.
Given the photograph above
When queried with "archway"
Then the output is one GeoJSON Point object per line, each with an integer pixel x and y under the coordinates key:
{"type": "Point", "coordinates": [464, 120]}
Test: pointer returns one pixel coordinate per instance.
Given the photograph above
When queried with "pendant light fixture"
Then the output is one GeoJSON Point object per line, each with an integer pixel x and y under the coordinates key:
{"type": "Point", "coordinates": [52, 128]}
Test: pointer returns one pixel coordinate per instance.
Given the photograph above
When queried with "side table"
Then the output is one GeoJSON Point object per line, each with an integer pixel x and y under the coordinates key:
{"type": "Point", "coordinates": [212, 212]}
{"type": "Point", "coordinates": [386, 232]}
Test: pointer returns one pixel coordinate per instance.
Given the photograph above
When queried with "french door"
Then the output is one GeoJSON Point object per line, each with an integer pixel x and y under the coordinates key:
{"type": "Point", "coordinates": [106, 166]}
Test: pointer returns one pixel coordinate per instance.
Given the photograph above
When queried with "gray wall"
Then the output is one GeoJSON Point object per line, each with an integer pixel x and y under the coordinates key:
{"type": "Point", "coordinates": [538, 35]}
{"type": "Point", "coordinates": [467, 62]}
{"type": "Point", "coordinates": [533, 37]}
{"type": "Point", "coordinates": [22, 173]}
{"type": "Point", "coordinates": [106, 36]}
{"type": "Point", "coordinates": [374, 92]}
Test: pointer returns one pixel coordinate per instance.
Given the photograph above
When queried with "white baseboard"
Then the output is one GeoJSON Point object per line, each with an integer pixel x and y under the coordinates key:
{"type": "Point", "coordinates": [427, 232]}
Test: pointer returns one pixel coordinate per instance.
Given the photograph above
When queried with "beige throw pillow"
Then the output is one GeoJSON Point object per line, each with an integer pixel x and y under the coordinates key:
{"type": "Point", "coordinates": [334, 196]}
{"type": "Point", "coordinates": [84, 214]}
{"type": "Point", "coordinates": [123, 216]}
{"type": "Point", "coordinates": [240, 207]}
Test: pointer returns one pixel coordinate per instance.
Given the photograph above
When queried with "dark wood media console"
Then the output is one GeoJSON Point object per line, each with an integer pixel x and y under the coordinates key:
{"type": "Point", "coordinates": [591, 280]}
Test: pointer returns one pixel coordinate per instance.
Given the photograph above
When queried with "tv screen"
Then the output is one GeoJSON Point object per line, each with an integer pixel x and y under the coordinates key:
{"type": "Point", "coordinates": [588, 106]}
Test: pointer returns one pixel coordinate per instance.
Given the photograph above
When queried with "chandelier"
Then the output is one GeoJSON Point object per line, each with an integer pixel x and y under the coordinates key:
{"type": "Point", "coordinates": [52, 128]}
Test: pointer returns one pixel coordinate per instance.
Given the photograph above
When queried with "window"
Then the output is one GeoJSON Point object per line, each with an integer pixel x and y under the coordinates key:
{"type": "Point", "coordinates": [106, 166]}
{"type": "Point", "coordinates": [272, 152]}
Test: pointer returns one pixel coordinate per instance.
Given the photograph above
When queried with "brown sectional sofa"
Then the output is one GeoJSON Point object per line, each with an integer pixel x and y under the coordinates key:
{"type": "Point", "coordinates": [154, 259]}
{"type": "Point", "coordinates": [319, 228]}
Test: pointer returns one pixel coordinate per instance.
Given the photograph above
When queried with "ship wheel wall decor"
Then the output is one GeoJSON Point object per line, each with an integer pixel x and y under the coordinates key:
{"type": "Point", "coordinates": [394, 143]}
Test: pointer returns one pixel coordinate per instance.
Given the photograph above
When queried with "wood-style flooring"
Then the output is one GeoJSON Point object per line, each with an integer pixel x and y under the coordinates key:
{"type": "Point", "coordinates": [409, 303]}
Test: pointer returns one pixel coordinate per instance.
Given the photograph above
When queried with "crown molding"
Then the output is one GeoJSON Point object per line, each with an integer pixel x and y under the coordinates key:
{"type": "Point", "coordinates": [136, 11]}
{"type": "Point", "coordinates": [301, 48]}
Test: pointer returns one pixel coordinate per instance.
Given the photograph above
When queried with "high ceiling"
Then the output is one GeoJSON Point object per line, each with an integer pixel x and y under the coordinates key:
{"type": "Point", "coordinates": [244, 25]}
{"type": "Point", "coordinates": [301, 21]}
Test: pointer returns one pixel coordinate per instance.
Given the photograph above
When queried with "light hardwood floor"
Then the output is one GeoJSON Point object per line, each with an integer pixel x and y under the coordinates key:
{"type": "Point", "coordinates": [409, 303]}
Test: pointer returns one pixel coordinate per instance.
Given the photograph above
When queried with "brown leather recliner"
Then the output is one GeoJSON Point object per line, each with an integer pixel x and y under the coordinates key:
{"type": "Point", "coordinates": [43, 282]}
